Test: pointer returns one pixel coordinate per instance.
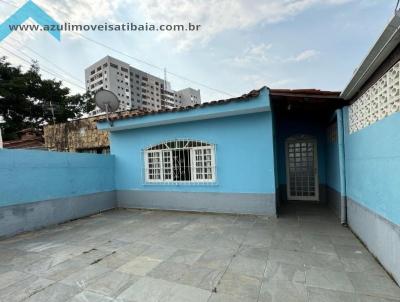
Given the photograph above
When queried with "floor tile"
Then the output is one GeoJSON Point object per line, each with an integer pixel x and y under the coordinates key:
{"type": "Point", "coordinates": [374, 285]}
{"type": "Point", "coordinates": [229, 298]}
{"type": "Point", "coordinates": [247, 266]}
{"type": "Point", "coordinates": [159, 252]}
{"type": "Point", "coordinates": [169, 256]}
{"type": "Point", "coordinates": [184, 293]}
{"type": "Point", "coordinates": [282, 291]}
{"type": "Point", "coordinates": [185, 256]}
{"type": "Point", "coordinates": [327, 279]}
{"type": "Point", "coordinates": [201, 277]}
{"type": "Point", "coordinates": [216, 258]}
{"type": "Point", "coordinates": [285, 271]}
{"type": "Point", "coordinates": [364, 298]}
{"type": "Point", "coordinates": [323, 261]}
{"type": "Point", "coordinates": [169, 271]}
{"type": "Point", "coordinates": [56, 292]}
{"type": "Point", "coordinates": [260, 253]}
{"type": "Point", "coordinates": [325, 295]}
{"type": "Point", "coordinates": [366, 265]}
{"type": "Point", "coordinates": [84, 277]}
{"type": "Point", "coordinates": [139, 266]}
{"type": "Point", "coordinates": [12, 277]}
{"type": "Point", "coordinates": [147, 289]}
{"type": "Point", "coordinates": [111, 283]}
{"type": "Point", "coordinates": [24, 289]}
{"type": "Point", "coordinates": [352, 251]}
{"type": "Point", "coordinates": [284, 256]}
{"type": "Point", "coordinates": [239, 285]}
{"type": "Point", "coordinates": [87, 296]}
{"type": "Point", "coordinates": [62, 270]}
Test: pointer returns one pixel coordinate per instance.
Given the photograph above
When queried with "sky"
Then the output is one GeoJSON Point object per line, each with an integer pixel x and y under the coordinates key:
{"type": "Point", "coordinates": [242, 44]}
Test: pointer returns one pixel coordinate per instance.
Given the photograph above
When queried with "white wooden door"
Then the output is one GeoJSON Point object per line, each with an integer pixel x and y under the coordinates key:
{"type": "Point", "coordinates": [302, 168]}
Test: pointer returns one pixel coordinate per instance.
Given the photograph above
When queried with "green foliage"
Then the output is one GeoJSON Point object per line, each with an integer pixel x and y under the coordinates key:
{"type": "Point", "coordinates": [27, 100]}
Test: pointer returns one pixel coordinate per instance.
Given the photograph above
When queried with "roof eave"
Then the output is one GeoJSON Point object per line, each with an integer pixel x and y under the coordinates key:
{"type": "Point", "coordinates": [256, 104]}
{"type": "Point", "coordinates": [385, 44]}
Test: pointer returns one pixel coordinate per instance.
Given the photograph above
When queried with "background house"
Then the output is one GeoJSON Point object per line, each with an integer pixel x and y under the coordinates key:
{"type": "Point", "coordinates": [29, 138]}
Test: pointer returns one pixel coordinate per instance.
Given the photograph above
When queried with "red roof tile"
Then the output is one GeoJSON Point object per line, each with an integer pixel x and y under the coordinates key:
{"type": "Point", "coordinates": [137, 113]}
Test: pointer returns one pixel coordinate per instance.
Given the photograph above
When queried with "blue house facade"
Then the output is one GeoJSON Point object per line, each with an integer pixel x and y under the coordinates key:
{"type": "Point", "coordinates": [244, 155]}
{"type": "Point", "coordinates": [216, 157]}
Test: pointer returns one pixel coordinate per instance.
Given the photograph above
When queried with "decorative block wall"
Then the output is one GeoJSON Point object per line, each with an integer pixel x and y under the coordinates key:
{"type": "Point", "coordinates": [379, 101]}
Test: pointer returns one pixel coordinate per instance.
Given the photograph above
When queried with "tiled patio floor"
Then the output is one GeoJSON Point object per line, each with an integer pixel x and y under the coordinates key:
{"type": "Point", "coordinates": [145, 256]}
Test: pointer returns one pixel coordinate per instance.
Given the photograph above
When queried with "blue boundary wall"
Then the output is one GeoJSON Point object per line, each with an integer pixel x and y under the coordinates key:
{"type": "Point", "coordinates": [39, 188]}
{"type": "Point", "coordinates": [372, 161]}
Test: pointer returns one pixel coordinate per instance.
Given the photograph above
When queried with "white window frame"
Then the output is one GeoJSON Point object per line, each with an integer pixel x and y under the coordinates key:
{"type": "Point", "coordinates": [302, 139]}
{"type": "Point", "coordinates": [193, 164]}
{"type": "Point", "coordinates": [148, 169]}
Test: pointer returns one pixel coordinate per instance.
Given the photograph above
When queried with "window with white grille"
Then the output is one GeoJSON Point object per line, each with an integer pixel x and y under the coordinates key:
{"type": "Point", "coordinates": [379, 101]}
{"type": "Point", "coordinates": [180, 161]}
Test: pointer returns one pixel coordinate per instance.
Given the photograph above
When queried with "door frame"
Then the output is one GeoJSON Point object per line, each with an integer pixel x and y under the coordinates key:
{"type": "Point", "coordinates": [302, 138]}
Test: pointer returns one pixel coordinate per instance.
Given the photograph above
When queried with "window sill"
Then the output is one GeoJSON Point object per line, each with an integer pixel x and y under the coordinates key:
{"type": "Point", "coordinates": [183, 183]}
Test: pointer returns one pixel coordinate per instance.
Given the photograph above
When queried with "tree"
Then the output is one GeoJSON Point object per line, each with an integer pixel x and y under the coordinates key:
{"type": "Point", "coordinates": [27, 100]}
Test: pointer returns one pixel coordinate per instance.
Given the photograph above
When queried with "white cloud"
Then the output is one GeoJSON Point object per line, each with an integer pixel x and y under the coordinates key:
{"type": "Point", "coordinates": [75, 12]}
{"type": "Point", "coordinates": [254, 53]}
{"type": "Point", "coordinates": [81, 11]}
{"type": "Point", "coordinates": [216, 16]}
{"type": "Point", "coordinates": [305, 55]}
{"type": "Point", "coordinates": [261, 79]}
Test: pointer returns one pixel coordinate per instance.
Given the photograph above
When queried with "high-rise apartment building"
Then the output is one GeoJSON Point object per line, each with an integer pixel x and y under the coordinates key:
{"type": "Point", "coordinates": [136, 89]}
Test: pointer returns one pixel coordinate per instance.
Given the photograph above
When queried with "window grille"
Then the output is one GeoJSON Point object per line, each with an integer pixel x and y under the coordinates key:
{"type": "Point", "coordinates": [379, 101]}
{"type": "Point", "coordinates": [180, 162]}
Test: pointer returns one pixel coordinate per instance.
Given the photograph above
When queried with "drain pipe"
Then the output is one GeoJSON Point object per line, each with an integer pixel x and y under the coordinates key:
{"type": "Point", "coordinates": [342, 167]}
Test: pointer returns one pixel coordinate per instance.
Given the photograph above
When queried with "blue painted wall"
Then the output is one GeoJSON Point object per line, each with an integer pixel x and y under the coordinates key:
{"type": "Point", "coordinates": [289, 126]}
{"type": "Point", "coordinates": [372, 157]}
{"type": "Point", "coordinates": [244, 153]}
{"type": "Point", "coordinates": [332, 165]}
{"type": "Point", "coordinates": [28, 176]}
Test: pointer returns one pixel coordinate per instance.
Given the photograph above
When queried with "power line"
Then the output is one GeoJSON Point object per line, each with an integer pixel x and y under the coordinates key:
{"type": "Point", "coordinates": [154, 66]}
{"type": "Point", "coordinates": [138, 59]}
{"type": "Point", "coordinates": [47, 60]}
{"type": "Point", "coordinates": [47, 69]}
{"type": "Point", "coordinates": [9, 3]}
{"type": "Point", "coordinates": [35, 52]}
{"type": "Point", "coordinates": [44, 69]}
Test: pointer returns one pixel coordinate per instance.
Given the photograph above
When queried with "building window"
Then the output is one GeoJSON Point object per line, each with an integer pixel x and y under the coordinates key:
{"type": "Point", "coordinates": [180, 161]}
